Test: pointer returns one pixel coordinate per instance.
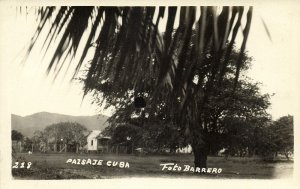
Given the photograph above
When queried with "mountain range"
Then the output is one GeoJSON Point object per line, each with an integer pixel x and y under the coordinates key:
{"type": "Point", "coordinates": [27, 125]}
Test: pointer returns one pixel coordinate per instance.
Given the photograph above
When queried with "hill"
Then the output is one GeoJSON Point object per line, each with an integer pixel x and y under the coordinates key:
{"type": "Point", "coordinates": [27, 125]}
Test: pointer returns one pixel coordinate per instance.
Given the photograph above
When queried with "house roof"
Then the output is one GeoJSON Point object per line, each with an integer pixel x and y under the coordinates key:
{"type": "Point", "coordinates": [97, 134]}
{"type": "Point", "coordinates": [103, 137]}
{"type": "Point", "coordinates": [94, 133]}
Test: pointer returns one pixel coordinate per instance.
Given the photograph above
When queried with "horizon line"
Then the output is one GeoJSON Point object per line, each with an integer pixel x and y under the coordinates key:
{"type": "Point", "coordinates": [25, 115]}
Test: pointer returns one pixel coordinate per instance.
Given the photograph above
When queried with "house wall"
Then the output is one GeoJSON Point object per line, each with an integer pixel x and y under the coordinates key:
{"type": "Point", "coordinates": [185, 150]}
{"type": "Point", "coordinates": [92, 145]}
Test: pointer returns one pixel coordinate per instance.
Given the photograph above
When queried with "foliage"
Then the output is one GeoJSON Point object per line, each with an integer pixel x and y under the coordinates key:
{"type": "Point", "coordinates": [283, 135]}
{"type": "Point", "coordinates": [150, 135]}
{"type": "Point", "coordinates": [125, 133]}
{"type": "Point", "coordinates": [169, 60]}
{"type": "Point", "coordinates": [234, 119]}
{"type": "Point", "coordinates": [132, 35]}
{"type": "Point", "coordinates": [277, 137]}
{"type": "Point", "coordinates": [39, 136]}
{"type": "Point", "coordinates": [16, 135]}
{"type": "Point", "coordinates": [229, 119]}
{"type": "Point", "coordinates": [130, 54]}
{"type": "Point", "coordinates": [68, 132]}
{"type": "Point", "coordinates": [27, 144]}
{"type": "Point", "coordinates": [265, 140]}
{"type": "Point", "coordinates": [284, 130]}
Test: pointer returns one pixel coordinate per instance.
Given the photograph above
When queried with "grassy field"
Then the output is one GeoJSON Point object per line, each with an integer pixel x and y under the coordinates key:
{"type": "Point", "coordinates": [54, 166]}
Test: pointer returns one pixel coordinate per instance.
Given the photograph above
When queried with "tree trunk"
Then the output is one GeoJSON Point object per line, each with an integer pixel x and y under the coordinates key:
{"type": "Point", "coordinates": [200, 146]}
{"type": "Point", "coordinates": [132, 148]}
{"type": "Point", "coordinates": [250, 152]}
{"type": "Point", "coordinates": [200, 156]}
{"type": "Point", "coordinates": [55, 147]}
{"type": "Point", "coordinates": [20, 147]}
{"type": "Point", "coordinates": [287, 155]}
{"type": "Point", "coordinates": [173, 148]}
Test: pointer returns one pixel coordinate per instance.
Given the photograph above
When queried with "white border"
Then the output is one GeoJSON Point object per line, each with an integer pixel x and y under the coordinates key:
{"type": "Point", "coordinates": [6, 180]}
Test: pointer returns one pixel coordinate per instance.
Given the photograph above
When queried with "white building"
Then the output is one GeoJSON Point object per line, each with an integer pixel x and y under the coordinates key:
{"type": "Point", "coordinates": [97, 142]}
{"type": "Point", "coordinates": [184, 150]}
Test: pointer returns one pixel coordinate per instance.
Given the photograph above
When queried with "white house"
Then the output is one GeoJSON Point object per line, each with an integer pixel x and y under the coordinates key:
{"type": "Point", "coordinates": [185, 150]}
{"type": "Point", "coordinates": [97, 142]}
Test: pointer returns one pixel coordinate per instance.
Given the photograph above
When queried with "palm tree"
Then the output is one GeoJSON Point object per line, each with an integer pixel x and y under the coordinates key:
{"type": "Point", "coordinates": [129, 52]}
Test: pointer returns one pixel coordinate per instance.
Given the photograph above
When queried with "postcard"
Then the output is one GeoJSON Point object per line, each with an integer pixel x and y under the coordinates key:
{"type": "Point", "coordinates": [156, 95]}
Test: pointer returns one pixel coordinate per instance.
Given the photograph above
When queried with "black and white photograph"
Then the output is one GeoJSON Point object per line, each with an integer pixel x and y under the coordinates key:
{"type": "Point", "coordinates": [202, 92]}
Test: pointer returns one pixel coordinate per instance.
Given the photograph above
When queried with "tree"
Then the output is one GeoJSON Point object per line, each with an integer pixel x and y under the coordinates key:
{"type": "Point", "coordinates": [127, 135]}
{"type": "Point", "coordinates": [61, 133]}
{"type": "Point", "coordinates": [68, 132]}
{"type": "Point", "coordinates": [16, 135]}
{"type": "Point", "coordinates": [39, 136]}
{"type": "Point", "coordinates": [276, 137]}
{"type": "Point", "coordinates": [130, 52]}
{"type": "Point", "coordinates": [284, 128]}
{"type": "Point", "coordinates": [27, 144]}
{"type": "Point", "coordinates": [222, 109]}
{"type": "Point", "coordinates": [283, 136]}
{"type": "Point", "coordinates": [232, 120]}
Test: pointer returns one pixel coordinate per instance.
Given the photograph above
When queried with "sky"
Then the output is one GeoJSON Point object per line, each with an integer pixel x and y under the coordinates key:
{"type": "Point", "coordinates": [276, 64]}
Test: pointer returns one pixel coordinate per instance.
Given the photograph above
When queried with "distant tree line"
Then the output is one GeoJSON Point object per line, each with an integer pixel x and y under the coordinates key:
{"type": "Point", "coordinates": [56, 137]}
{"type": "Point", "coordinates": [241, 137]}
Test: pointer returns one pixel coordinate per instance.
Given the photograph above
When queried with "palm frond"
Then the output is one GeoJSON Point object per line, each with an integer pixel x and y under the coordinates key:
{"type": "Point", "coordinates": [130, 53]}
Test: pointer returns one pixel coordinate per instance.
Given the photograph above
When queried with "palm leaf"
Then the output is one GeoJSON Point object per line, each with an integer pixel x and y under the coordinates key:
{"type": "Point", "coordinates": [130, 52]}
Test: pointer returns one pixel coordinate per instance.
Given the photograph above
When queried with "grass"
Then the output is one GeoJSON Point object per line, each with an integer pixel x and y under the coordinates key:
{"type": "Point", "coordinates": [54, 166]}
